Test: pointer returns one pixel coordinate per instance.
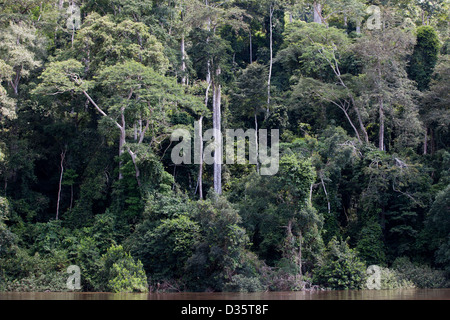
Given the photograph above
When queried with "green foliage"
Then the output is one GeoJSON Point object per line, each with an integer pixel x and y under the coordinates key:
{"type": "Point", "coordinates": [364, 155]}
{"type": "Point", "coordinates": [22, 271]}
{"type": "Point", "coordinates": [370, 245]}
{"type": "Point", "coordinates": [104, 42]}
{"type": "Point", "coordinates": [435, 111]}
{"type": "Point", "coordinates": [240, 283]}
{"type": "Point", "coordinates": [48, 282]}
{"type": "Point", "coordinates": [303, 43]}
{"type": "Point", "coordinates": [6, 236]}
{"type": "Point", "coordinates": [7, 241]}
{"type": "Point", "coordinates": [119, 272]}
{"type": "Point", "coordinates": [220, 251]}
{"type": "Point", "coordinates": [251, 95]}
{"type": "Point", "coordinates": [438, 222]}
{"type": "Point", "coordinates": [88, 259]}
{"type": "Point", "coordinates": [341, 269]}
{"type": "Point", "coordinates": [421, 275]}
{"type": "Point", "coordinates": [62, 76]}
{"type": "Point", "coordinates": [164, 248]}
{"type": "Point", "coordinates": [424, 57]}
{"type": "Point", "coordinates": [391, 279]}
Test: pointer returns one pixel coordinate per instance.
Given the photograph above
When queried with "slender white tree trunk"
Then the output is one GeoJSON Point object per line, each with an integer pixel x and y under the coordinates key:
{"type": "Point", "coordinates": [271, 10]}
{"type": "Point", "coordinates": [183, 61]}
{"type": "Point", "coordinates": [381, 132]}
{"type": "Point", "coordinates": [251, 46]}
{"type": "Point", "coordinates": [300, 260]}
{"type": "Point", "coordinates": [63, 155]}
{"type": "Point", "coordinates": [218, 138]}
{"type": "Point", "coordinates": [121, 145]}
{"type": "Point", "coordinates": [136, 168]}
{"type": "Point", "coordinates": [200, 160]}
{"type": "Point", "coordinates": [122, 140]}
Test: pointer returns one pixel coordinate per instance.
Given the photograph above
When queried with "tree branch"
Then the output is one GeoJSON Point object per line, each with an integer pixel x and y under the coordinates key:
{"type": "Point", "coordinates": [100, 110]}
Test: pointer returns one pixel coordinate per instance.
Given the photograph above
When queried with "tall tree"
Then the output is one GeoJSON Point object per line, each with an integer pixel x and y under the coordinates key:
{"type": "Point", "coordinates": [249, 97]}
{"type": "Point", "coordinates": [323, 10]}
{"type": "Point", "coordinates": [212, 15]}
{"type": "Point", "coordinates": [130, 92]}
{"type": "Point", "coordinates": [435, 110]}
{"type": "Point", "coordinates": [384, 55]}
{"type": "Point", "coordinates": [102, 42]}
{"type": "Point", "coordinates": [269, 77]}
{"type": "Point", "coordinates": [318, 51]}
{"type": "Point", "coordinates": [22, 49]}
{"type": "Point", "coordinates": [6, 102]}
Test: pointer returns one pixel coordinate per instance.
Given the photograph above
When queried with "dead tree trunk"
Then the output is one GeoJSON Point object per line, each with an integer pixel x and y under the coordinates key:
{"type": "Point", "coordinates": [217, 136]}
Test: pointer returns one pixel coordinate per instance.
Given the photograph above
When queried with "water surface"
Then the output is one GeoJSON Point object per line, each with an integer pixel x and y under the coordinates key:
{"type": "Point", "coordinates": [398, 294]}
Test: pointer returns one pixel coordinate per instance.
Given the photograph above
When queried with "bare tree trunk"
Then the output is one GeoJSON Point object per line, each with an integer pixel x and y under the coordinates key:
{"type": "Point", "coordinates": [183, 61]}
{"type": "Point", "coordinates": [121, 145]}
{"type": "Point", "coordinates": [300, 261]}
{"type": "Point", "coordinates": [335, 67]}
{"type": "Point", "coordinates": [290, 251]}
{"type": "Point", "coordinates": [63, 155]}
{"type": "Point", "coordinates": [271, 10]}
{"type": "Point", "coordinates": [217, 138]}
{"type": "Point", "coordinates": [15, 83]}
{"type": "Point", "coordinates": [361, 124]}
{"type": "Point", "coordinates": [381, 132]}
{"type": "Point", "coordinates": [358, 26]}
{"type": "Point", "coordinates": [200, 169]}
{"type": "Point", "coordinates": [200, 165]}
{"type": "Point", "coordinates": [251, 47]}
{"type": "Point", "coordinates": [351, 123]}
{"type": "Point", "coordinates": [317, 12]}
{"type": "Point", "coordinates": [344, 108]}
{"type": "Point", "coordinates": [209, 80]}
{"type": "Point", "coordinates": [256, 143]}
{"type": "Point", "coordinates": [122, 140]}
{"type": "Point", "coordinates": [136, 168]}
{"type": "Point", "coordinates": [73, 32]}
{"type": "Point", "coordinates": [326, 193]}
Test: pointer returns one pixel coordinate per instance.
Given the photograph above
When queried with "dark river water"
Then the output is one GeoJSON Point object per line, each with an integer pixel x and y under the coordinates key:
{"type": "Point", "coordinates": [400, 294]}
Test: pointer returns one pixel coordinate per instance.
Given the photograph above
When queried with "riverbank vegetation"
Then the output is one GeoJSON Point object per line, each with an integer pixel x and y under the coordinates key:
{"type": "Point", "coordinates": [90, 91]}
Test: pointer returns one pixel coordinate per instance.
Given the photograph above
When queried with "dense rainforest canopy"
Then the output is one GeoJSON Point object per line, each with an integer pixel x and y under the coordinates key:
{"type": "Point", "coordinates": [91, 90]}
